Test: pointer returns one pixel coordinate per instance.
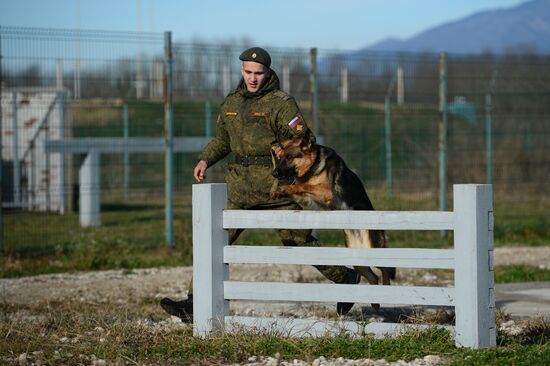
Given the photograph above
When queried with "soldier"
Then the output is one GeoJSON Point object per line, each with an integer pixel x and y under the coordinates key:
{"type": "Point", "coordinates": [251, 118]}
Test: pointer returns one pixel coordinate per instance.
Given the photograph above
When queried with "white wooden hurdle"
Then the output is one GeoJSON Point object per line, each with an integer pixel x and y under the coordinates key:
{"type": "Point", "coordinates": [472, 261]}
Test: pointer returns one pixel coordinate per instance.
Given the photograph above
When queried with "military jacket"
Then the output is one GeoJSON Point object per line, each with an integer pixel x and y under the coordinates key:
{"type": "Point", "coordinates": [249, 125]}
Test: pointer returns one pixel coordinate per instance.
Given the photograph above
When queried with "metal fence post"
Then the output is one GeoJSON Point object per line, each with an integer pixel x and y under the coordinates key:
{"type": "Point", "coordinates": [313, 101]}
{"type": "Point", "coordinates": [208, 119]}
{"type": "Point", "coordinates": [169, 139]}
{"type": "Point", "coordinates": [474, 276]}
{"type": "Point", "coordinates": [1, 159]}
{"type": "Point", "coordinates": [62, 192]}
{"type": "Point", "coordinates": [48, 165]}
{"type": "Point", "coordinates": [15, 148]}
{"type": "Point", "coordinates": [387, 134]}
{"type": "Point", "coordinates": [443, 133]}
{"type": "Point", "coordinates": [126, 172]}
{"type": "Point", "coordinates": [489, 129]}
{"type": "Point", "coordinates": [488, 138]}
{"type": "Point", "coordinates": [209, 271]}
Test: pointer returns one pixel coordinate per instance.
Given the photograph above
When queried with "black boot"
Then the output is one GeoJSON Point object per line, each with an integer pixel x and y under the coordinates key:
{"type": "Point", "coordinates": [352, 278]}
{"type": "Point", "coordinates": [182, 309]}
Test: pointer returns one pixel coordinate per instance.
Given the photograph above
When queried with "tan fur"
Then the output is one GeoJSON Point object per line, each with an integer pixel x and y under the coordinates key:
{"type": "Point", "coordinates": [314, 187]}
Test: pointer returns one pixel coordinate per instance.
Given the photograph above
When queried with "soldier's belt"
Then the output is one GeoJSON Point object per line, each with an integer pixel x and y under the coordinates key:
{"type": "Point", "coordinates": [246, 160]}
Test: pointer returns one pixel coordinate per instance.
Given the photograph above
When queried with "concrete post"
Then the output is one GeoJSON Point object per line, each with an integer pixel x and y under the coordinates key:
{"type": "Point", "coordinates": [286, 78]}
{"type": "Point", "coordinates": [344, 89]}
{"type": "Point", "coordinates": [226, 80]}
{"type": "Point", "coordinates": [400, 86]}
{"type": "Point", "coordinates": [90, 191]}
{"type": "Point", "coordinates": [474, 276]}
{"type": "Point", "coordinates": [209, 271]}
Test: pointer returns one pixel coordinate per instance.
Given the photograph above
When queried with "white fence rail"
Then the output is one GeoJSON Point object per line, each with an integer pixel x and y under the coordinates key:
{"type": "Point", "coordinates": [472, 261]}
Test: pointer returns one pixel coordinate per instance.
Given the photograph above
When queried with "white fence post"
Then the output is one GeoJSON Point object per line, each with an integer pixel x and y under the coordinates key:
{"type": "Point", "coordinates": [90, 191]}
{"type": "Point", "coordinates": [209, 271]}
{"type": "Point", "coordinates": [474, 276]}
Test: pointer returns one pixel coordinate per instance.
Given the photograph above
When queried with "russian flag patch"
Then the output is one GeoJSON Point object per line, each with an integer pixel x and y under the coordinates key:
{"type": "Point", "coordinates": [294, 122]}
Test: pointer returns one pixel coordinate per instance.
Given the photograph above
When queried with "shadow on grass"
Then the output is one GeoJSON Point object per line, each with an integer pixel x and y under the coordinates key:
{"type": "Point", "coordinates": [121, 207]}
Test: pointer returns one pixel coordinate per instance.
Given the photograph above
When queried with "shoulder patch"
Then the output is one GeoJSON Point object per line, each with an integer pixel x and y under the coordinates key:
{"type": "Point", "coordinates": [281, 94]}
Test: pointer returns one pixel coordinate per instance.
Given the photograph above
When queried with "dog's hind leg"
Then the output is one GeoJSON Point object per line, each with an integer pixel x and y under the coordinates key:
{"type": "Point", "coordinates": [377, 239]}
{"type": "Point", "coordinates": [386, 275]}
{"type": "Point", "coordinates": [368, 274]}
{"type": "Point", "coordinates": [361, 239]}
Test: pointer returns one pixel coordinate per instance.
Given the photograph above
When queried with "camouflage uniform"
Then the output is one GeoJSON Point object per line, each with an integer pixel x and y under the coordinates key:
{"type": "Point", "coordinates": [248, 126]}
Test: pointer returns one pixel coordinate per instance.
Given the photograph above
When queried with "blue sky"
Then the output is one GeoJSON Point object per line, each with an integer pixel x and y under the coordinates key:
{"type": "Point", "coordinates": [344, 24]}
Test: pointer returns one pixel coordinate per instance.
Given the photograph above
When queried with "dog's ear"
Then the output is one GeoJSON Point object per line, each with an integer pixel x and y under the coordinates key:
{"type": "Point", "coordinates": [305, 143]}
{"type": "Point", "coordinates": [280, 138]}
{"type": "Point", "coordinates": [283, 141]}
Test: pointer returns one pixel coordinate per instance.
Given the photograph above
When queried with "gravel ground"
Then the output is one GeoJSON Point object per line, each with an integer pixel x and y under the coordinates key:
{"type": "Point", "coordinates": [122, 287]}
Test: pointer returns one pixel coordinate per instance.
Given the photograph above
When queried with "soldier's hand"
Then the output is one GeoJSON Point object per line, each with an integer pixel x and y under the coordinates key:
{"type": "Point", "coordinates": [200, 171]}
{"type": "Point", "coordinates": [277, 151]}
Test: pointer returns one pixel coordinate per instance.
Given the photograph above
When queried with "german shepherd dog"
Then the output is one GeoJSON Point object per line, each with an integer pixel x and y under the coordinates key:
{"type": "Point", "coordinates": [316, 177]}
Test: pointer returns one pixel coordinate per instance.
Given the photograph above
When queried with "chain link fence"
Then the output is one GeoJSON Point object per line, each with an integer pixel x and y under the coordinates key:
{"type": "Point", "coordinates": [380, 111]}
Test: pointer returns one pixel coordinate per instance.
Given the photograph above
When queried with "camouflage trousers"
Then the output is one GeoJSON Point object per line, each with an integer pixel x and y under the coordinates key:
{"type": "Point", "coordinates": [289, 237]}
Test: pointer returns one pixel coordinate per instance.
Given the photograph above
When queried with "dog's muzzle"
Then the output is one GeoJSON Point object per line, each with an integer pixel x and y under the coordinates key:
{"type": "Point", "coordinates": [281, 177]}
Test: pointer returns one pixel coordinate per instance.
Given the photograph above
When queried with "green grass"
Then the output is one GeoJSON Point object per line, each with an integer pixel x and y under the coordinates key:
{"type": "Point", "coordinates": [521, 273]}
{"type": "Point", "coordinates": [132, 236]}
{"type": "Point", "coordinates": [71, 332]}
{"type": "Point", "coordinates": [524, 225]}
{"type": "Point", "coordinates": [132, 233]}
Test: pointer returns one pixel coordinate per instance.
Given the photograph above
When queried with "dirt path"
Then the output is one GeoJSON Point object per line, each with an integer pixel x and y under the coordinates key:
{"type": "Point", "coordinates": [120, 286]}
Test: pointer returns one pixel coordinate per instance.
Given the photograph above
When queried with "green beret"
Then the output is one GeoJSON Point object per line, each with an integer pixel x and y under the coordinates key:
{"type": "Point", "coordinates": [256, 54]}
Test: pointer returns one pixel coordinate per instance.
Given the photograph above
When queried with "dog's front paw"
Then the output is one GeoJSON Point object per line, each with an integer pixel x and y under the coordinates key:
{"type": "Point", "coordinates": [278, 193]}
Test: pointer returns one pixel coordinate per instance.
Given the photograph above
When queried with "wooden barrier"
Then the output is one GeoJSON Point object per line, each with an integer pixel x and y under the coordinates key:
{"type": "Point", "coordinates": [93, 147]}
{"type": "Point", "coordinates": [472, 261]}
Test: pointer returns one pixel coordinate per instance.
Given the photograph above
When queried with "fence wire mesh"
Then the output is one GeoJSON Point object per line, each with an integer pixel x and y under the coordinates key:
{"type": "Point", "coordinates": [59, 85]}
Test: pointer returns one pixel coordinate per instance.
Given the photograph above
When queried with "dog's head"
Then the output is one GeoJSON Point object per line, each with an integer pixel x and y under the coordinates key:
{"type": "Point", "coordinates": [296, 159]}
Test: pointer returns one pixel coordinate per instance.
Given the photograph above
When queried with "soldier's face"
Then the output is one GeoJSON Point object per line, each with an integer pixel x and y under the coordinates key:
{"type": "Point", "coordinates": [254, 75]}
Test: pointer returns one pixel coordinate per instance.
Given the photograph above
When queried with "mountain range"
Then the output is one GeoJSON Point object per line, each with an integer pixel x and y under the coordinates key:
{"type": "Point", "coordinates": [520, 29]}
